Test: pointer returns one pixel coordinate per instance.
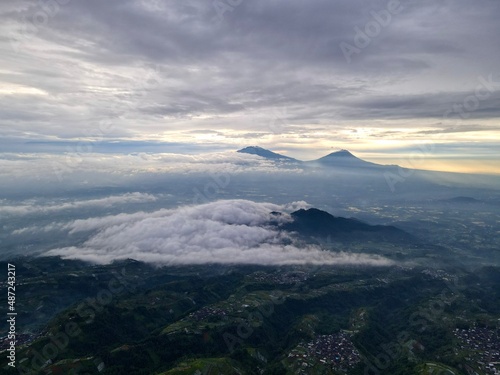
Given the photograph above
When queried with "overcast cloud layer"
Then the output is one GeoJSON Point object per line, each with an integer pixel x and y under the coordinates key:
{"type": "Point", "coordinates": [233, 231]}
{"type": "Point", "coordinates": [191, 76]}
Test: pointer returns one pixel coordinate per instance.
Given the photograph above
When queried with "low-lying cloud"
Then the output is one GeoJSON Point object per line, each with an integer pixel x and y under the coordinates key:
{"type": "Point", "coordinates": [33, 207]}
{"type": "Point", "coordinates": [52, 172]}
{"type": "Point", "coordinates": [229, 232]}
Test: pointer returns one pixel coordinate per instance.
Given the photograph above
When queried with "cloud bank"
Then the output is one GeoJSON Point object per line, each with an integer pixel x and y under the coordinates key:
{"type": "Point", "coordinates": [33, 207]}
{"type": "Point", "coordinates": [227, 232]}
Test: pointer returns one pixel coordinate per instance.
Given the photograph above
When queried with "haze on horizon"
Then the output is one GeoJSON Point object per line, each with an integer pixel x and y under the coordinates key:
{"type": "Point", "coordinates": [413, 83]}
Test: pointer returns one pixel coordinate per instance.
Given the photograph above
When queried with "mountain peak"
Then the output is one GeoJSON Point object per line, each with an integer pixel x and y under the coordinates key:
{"type": "Point", "coordinates": [341, 153]}
{"type": "Point", "coordinates": [343, 158]}
{"type": "Point", "coordinates": [259, 151]}
{"type": "Point", "coordinates": [318, 223]}
{"type": "Point", "coordinates": [252, 148]}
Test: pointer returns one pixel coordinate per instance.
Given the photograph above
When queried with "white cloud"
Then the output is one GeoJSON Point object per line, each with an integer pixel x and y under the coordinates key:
{"type": "Point", "coordinates": [30, 173]}
{"type": "Point", "coordinates": [52, 166]}
{"type": "Point", "coordinates": [32, 207]}
{"type": "Point", "coordinates": [230, 231]}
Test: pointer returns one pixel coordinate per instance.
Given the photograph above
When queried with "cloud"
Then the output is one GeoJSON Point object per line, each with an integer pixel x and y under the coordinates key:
{"type": "Point", "coordinates": [229, 232]}
{"type": "Point", "coordinates": [40, 173]}
{"type": "Point", "coordinates": [461, 129]}
{"type": "Point", "coordinates": [33, 207]}
{"type": "Point", "coordinates": [180, 73]}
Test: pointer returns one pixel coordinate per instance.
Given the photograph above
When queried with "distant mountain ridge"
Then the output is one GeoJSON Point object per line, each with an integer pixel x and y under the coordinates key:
{"type": "Point", "coordinates": [317, 223]}
{"type": "Point", "coordinates": [461, 199]}
{"type": "Point", "coordinates": [342, 158]}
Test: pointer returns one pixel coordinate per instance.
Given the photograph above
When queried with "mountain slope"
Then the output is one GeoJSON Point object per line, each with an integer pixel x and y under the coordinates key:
{"type": "Point", "coordinates": [343, 158]}
{"type": "Point", "coordinates": [318, 223]}
{"type": "Point", "coordinates": [255, 150]}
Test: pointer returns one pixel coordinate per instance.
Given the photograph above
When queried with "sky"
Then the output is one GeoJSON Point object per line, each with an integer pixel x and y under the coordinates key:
{"type": "Point", "coordinates": [414, 83]}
